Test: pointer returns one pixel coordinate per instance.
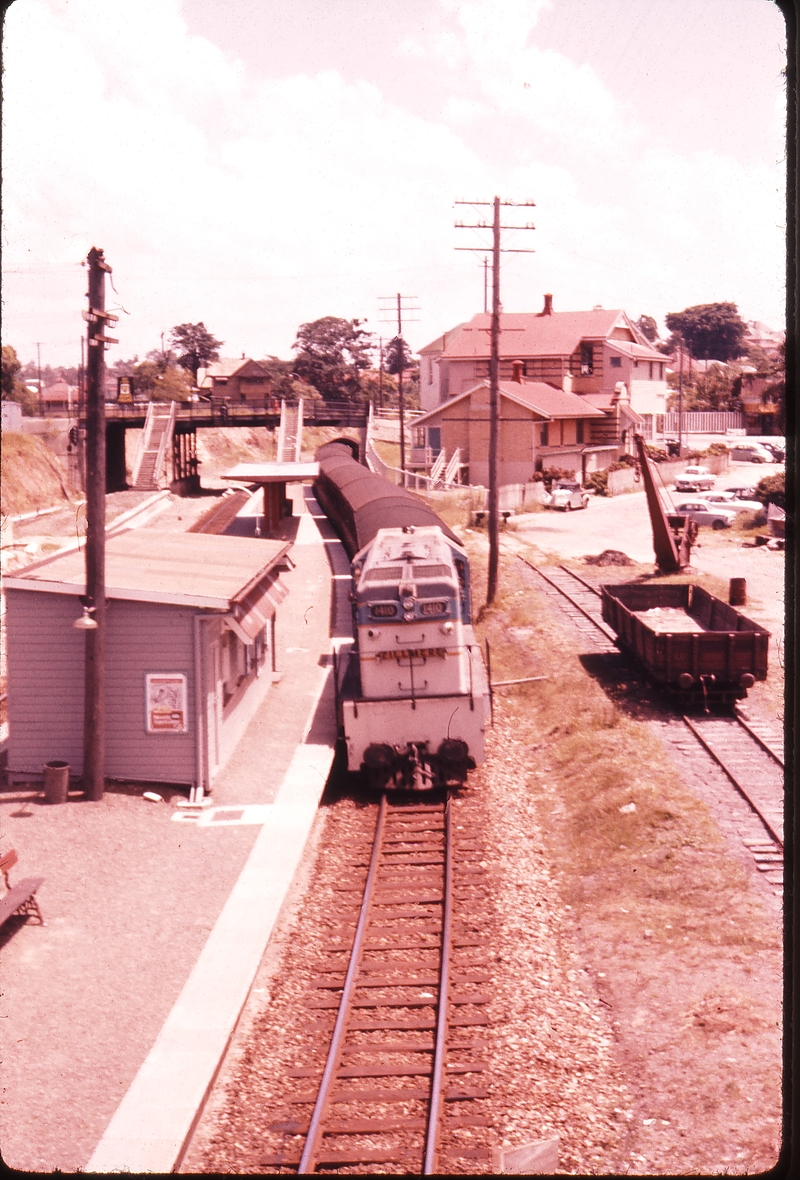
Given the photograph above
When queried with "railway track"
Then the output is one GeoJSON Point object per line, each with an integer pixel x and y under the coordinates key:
{"type": "Point", "coordinates": [401, 1079]}
{"type": "Point", "coordinates": [749, 753]}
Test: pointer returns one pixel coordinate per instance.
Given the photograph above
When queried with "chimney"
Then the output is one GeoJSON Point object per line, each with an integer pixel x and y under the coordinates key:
{"type": "Point", "coordinates": [548, 305]}
{"type": "Point", "coordinates": [517, 368]}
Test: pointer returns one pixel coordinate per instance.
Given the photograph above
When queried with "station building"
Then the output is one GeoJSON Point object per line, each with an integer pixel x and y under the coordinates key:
{"type": "Point", "coordinates": [190, 654]}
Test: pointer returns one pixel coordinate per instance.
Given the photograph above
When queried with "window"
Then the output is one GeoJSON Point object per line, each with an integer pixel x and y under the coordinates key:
{"type": "Point", "coordinates": [418, 436]}
{"type": "Point", "coordinates": [430, 370]}
{"type": "Point", "coordinates": [579, 430]}
{"type": "Point", "coordinates": [661, 372]}
{"type": "Point", "coordinates": [544, 434]}
{"type": "Point", "coordinates": [651, 370]}
{"type": "Point", "coordinates": [616, 362]}
{"type": "Point", "coordinates": [587, 360]}
{"type": "Point", "coordinates": [435, 439]}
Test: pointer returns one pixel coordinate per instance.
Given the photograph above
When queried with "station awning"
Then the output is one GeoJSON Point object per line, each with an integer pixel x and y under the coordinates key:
{"type": "Point", "coordinates": [251, 615]}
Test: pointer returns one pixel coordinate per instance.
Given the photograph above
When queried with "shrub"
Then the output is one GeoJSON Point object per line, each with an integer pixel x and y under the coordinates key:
{"type": "Point", "coordinates": [772, 490]}
{"type": "Point", "coordinates": [598, 481]}
{"type": "Point", "coordinates": [550, 475]}
{"type": "Point", "coordinates": [716, 449]}
{"type": "Point", "coordinates": [656, 454]}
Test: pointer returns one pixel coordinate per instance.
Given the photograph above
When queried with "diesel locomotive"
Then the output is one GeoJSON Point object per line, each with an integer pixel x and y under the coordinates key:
{"type": "Point", "coordinates": [412, 692]}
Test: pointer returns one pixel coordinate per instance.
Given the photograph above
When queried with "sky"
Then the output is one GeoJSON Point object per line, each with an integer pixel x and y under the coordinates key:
{"type": "Point", "coordinates": [258, 165]}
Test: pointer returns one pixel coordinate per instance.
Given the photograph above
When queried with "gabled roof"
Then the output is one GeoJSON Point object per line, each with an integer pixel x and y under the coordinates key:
{"type": "Point", "coordinates": [230, 366]}
{"type": "Point", "coordinates": [543, 399]}
{"type": "Point", "coordinates": [440, 342]}
{"type": "Point", "coordinates": [525, 334]}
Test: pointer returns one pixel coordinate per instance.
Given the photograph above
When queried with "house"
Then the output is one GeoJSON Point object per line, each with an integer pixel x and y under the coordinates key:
{"type": "Point", "coordinates": [588, 353]}
{"type": "Point", "coordinates": [60, 397]}
{"type": "Point", "coordinates": [239, 381]}
{"type": "Point", "coordinates": [190, 641]}
{"type": "Point", "coordinates": [540, 426]}
{"type": "Point", "coordinates": [761, 402]}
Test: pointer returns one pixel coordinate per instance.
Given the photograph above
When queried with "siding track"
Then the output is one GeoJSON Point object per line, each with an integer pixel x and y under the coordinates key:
{"type": "Point", "coordinates": [404, 980]}
{"type": "Point", "coordinates": [749, 753]}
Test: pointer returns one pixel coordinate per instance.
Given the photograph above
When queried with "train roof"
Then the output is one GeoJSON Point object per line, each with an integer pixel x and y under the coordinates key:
{"type": "Point", "coordinates": [374, 502]}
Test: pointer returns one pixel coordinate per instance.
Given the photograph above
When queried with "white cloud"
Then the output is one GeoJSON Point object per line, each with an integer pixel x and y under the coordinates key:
{"type": "Point", "coordinates": [258, 203]}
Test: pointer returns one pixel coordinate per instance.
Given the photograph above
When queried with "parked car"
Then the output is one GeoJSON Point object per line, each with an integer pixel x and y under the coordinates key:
{"type": "Point", "coordinates": [751, 452]}
{"type": "Point", "coordinates": [727, 499]}
{"type": "Point", "coordinates": [778, 451]}
{"type": "Point", "coordinates": [748, 493]}
{"type": "Point", "coordinates": [695, 479]}
{"type": "Point", "coordinates": [568, 494]}
{"type": "Point", "coordinates": [703, 513]}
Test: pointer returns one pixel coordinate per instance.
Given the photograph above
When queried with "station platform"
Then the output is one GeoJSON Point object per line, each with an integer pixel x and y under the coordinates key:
{"type": "Point", "coordinates": [119, 1010]}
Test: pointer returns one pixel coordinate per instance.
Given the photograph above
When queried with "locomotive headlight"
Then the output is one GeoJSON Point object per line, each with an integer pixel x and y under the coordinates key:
{"type": "Point", "coordinates": [408, 604]}
{"type": "Point", "coordinates": [447, 628]}
{"type": "Point", "coordinates": [409, 616]}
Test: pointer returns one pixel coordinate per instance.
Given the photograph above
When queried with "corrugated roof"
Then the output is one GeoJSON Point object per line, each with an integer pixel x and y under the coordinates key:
{"type": "Point", "coordinates": [524, 334]}
{"type": "Point", "coordinates": [153, 565]}
{"type": "Point", "coordinates": [538, 396]}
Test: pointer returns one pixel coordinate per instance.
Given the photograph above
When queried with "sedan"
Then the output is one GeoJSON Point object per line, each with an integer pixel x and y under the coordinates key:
{"type": "Point", "coordinates": [695, 479]}
{"type": "Point", "coordinates": [703, 513]}
{"type": "Point", "coordinates": [730, 500]}
{"type": "Point", "coordinates": [568, 494]}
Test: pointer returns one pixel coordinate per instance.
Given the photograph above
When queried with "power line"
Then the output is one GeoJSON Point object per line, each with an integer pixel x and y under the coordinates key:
{"type": "Point", "coordinates": [401, 357]}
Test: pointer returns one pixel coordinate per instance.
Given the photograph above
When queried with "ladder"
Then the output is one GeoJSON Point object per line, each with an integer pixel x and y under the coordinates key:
{"type": "Point", "coordinates": [148, 466]}
{"type": "Point", "coordinates": [290, 433]}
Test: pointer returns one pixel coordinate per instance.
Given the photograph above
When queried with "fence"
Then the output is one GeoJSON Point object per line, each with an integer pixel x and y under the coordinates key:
{"type": "Point", "coordinates": [703, 422]}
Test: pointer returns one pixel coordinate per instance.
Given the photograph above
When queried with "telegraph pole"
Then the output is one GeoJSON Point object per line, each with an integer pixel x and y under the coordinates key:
{"type": "Point", "coordinates": [39, 376]}
{"type": "Point", "coordinates": [494, 374]}
{"type": "Point", "coordinates": [94, 709]}
{"type": "Point", "coordinates": [400, 310]}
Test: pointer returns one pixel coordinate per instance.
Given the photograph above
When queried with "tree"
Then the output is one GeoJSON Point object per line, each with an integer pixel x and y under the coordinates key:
{"type": "Point", "coordinates": [397, 355]}
{"type": "Point", "coordinates": [160, 379]}
{"type": "Point", "coordinates": [710, 331]}
{"type": "Point", "coordinates": [648, 327]}
{"type": "Point", "coordinates": [15, 389]}
{"type": "Point", "coordinates": [331, 355]}
{"type": "Point", "coordinates": [195, 347]}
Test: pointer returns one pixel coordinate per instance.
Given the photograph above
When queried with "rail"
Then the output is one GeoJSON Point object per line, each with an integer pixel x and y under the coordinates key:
{"type": "Point", "coordinates": [402, 968]}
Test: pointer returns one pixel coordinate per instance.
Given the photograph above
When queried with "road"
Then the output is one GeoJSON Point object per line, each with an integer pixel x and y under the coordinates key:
{"type": "Point", "coordinates": [623, 523]}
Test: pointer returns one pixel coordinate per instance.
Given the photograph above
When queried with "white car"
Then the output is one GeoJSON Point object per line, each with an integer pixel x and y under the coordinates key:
{"type": "Point", "coordinates": [695, 479]}
{"type": "Point", "coordinates": [568, 494]}
{"type": "Point", "coordinates": [751, 452]}
{"type": "Point", "coordinates": [703, 513]}
{"type": "Point", "coordinates": [731, 500]}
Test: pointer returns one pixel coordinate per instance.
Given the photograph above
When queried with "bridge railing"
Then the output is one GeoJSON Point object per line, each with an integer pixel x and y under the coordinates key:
{"type": "Point", "coordinates": [218, 412]}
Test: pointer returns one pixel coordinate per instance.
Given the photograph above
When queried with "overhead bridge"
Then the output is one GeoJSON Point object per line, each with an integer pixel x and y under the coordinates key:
{"type": "Point", "coordinates": [217, 412]}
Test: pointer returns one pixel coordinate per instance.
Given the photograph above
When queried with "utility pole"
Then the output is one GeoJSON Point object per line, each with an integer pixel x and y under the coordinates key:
{"type": "Point", "coordinates": [380, 371]}
{"type": "Point", "coordinates": [400, 352]}
{"type": "Point", "coordinates": [485, 285]}
{"type": "Point", "coordinates": [494, 373]}
{"type": "Point", "coordinates": [94, 709]}
{"type": "Point", "coordinates": [680, 402]}
{"type": "Point", "coordinates": [39, 376]}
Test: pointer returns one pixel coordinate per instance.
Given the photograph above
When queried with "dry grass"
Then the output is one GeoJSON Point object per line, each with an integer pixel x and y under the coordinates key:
{"type": "Point", "coordinates": [624, 833]}
{"type": "Point", "coordinates": [32, 476]}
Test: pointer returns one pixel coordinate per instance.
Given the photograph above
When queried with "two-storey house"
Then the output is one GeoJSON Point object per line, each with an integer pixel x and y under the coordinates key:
{"type": "Point", "coordinates": [588, 353]}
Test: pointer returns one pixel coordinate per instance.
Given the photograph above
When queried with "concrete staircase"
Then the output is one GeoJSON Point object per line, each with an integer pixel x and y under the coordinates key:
{"type": "Point", "coordinates": [290, 433]}
{"type": "Point", "coordinates": [148, 466]}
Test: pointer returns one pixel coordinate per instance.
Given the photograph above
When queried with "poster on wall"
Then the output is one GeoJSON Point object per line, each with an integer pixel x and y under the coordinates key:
{"type": "Point", "coordinates": [165, 702]}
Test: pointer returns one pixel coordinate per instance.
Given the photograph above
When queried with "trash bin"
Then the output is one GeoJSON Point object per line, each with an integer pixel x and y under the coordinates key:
{"type": "Point", "coordinates": [56, 781]}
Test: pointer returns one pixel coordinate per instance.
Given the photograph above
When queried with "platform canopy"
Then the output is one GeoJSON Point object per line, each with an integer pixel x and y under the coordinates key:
{"type": "Point", "coordinates": [272, 472]}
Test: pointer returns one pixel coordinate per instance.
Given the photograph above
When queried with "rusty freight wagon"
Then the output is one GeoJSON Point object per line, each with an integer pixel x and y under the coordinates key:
{"type": "Point", "coordinates": [688, 640]}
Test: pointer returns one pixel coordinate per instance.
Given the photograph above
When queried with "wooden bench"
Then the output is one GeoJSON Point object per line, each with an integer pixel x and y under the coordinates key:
{"type": "Point", "coordinates": [18, 900]}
